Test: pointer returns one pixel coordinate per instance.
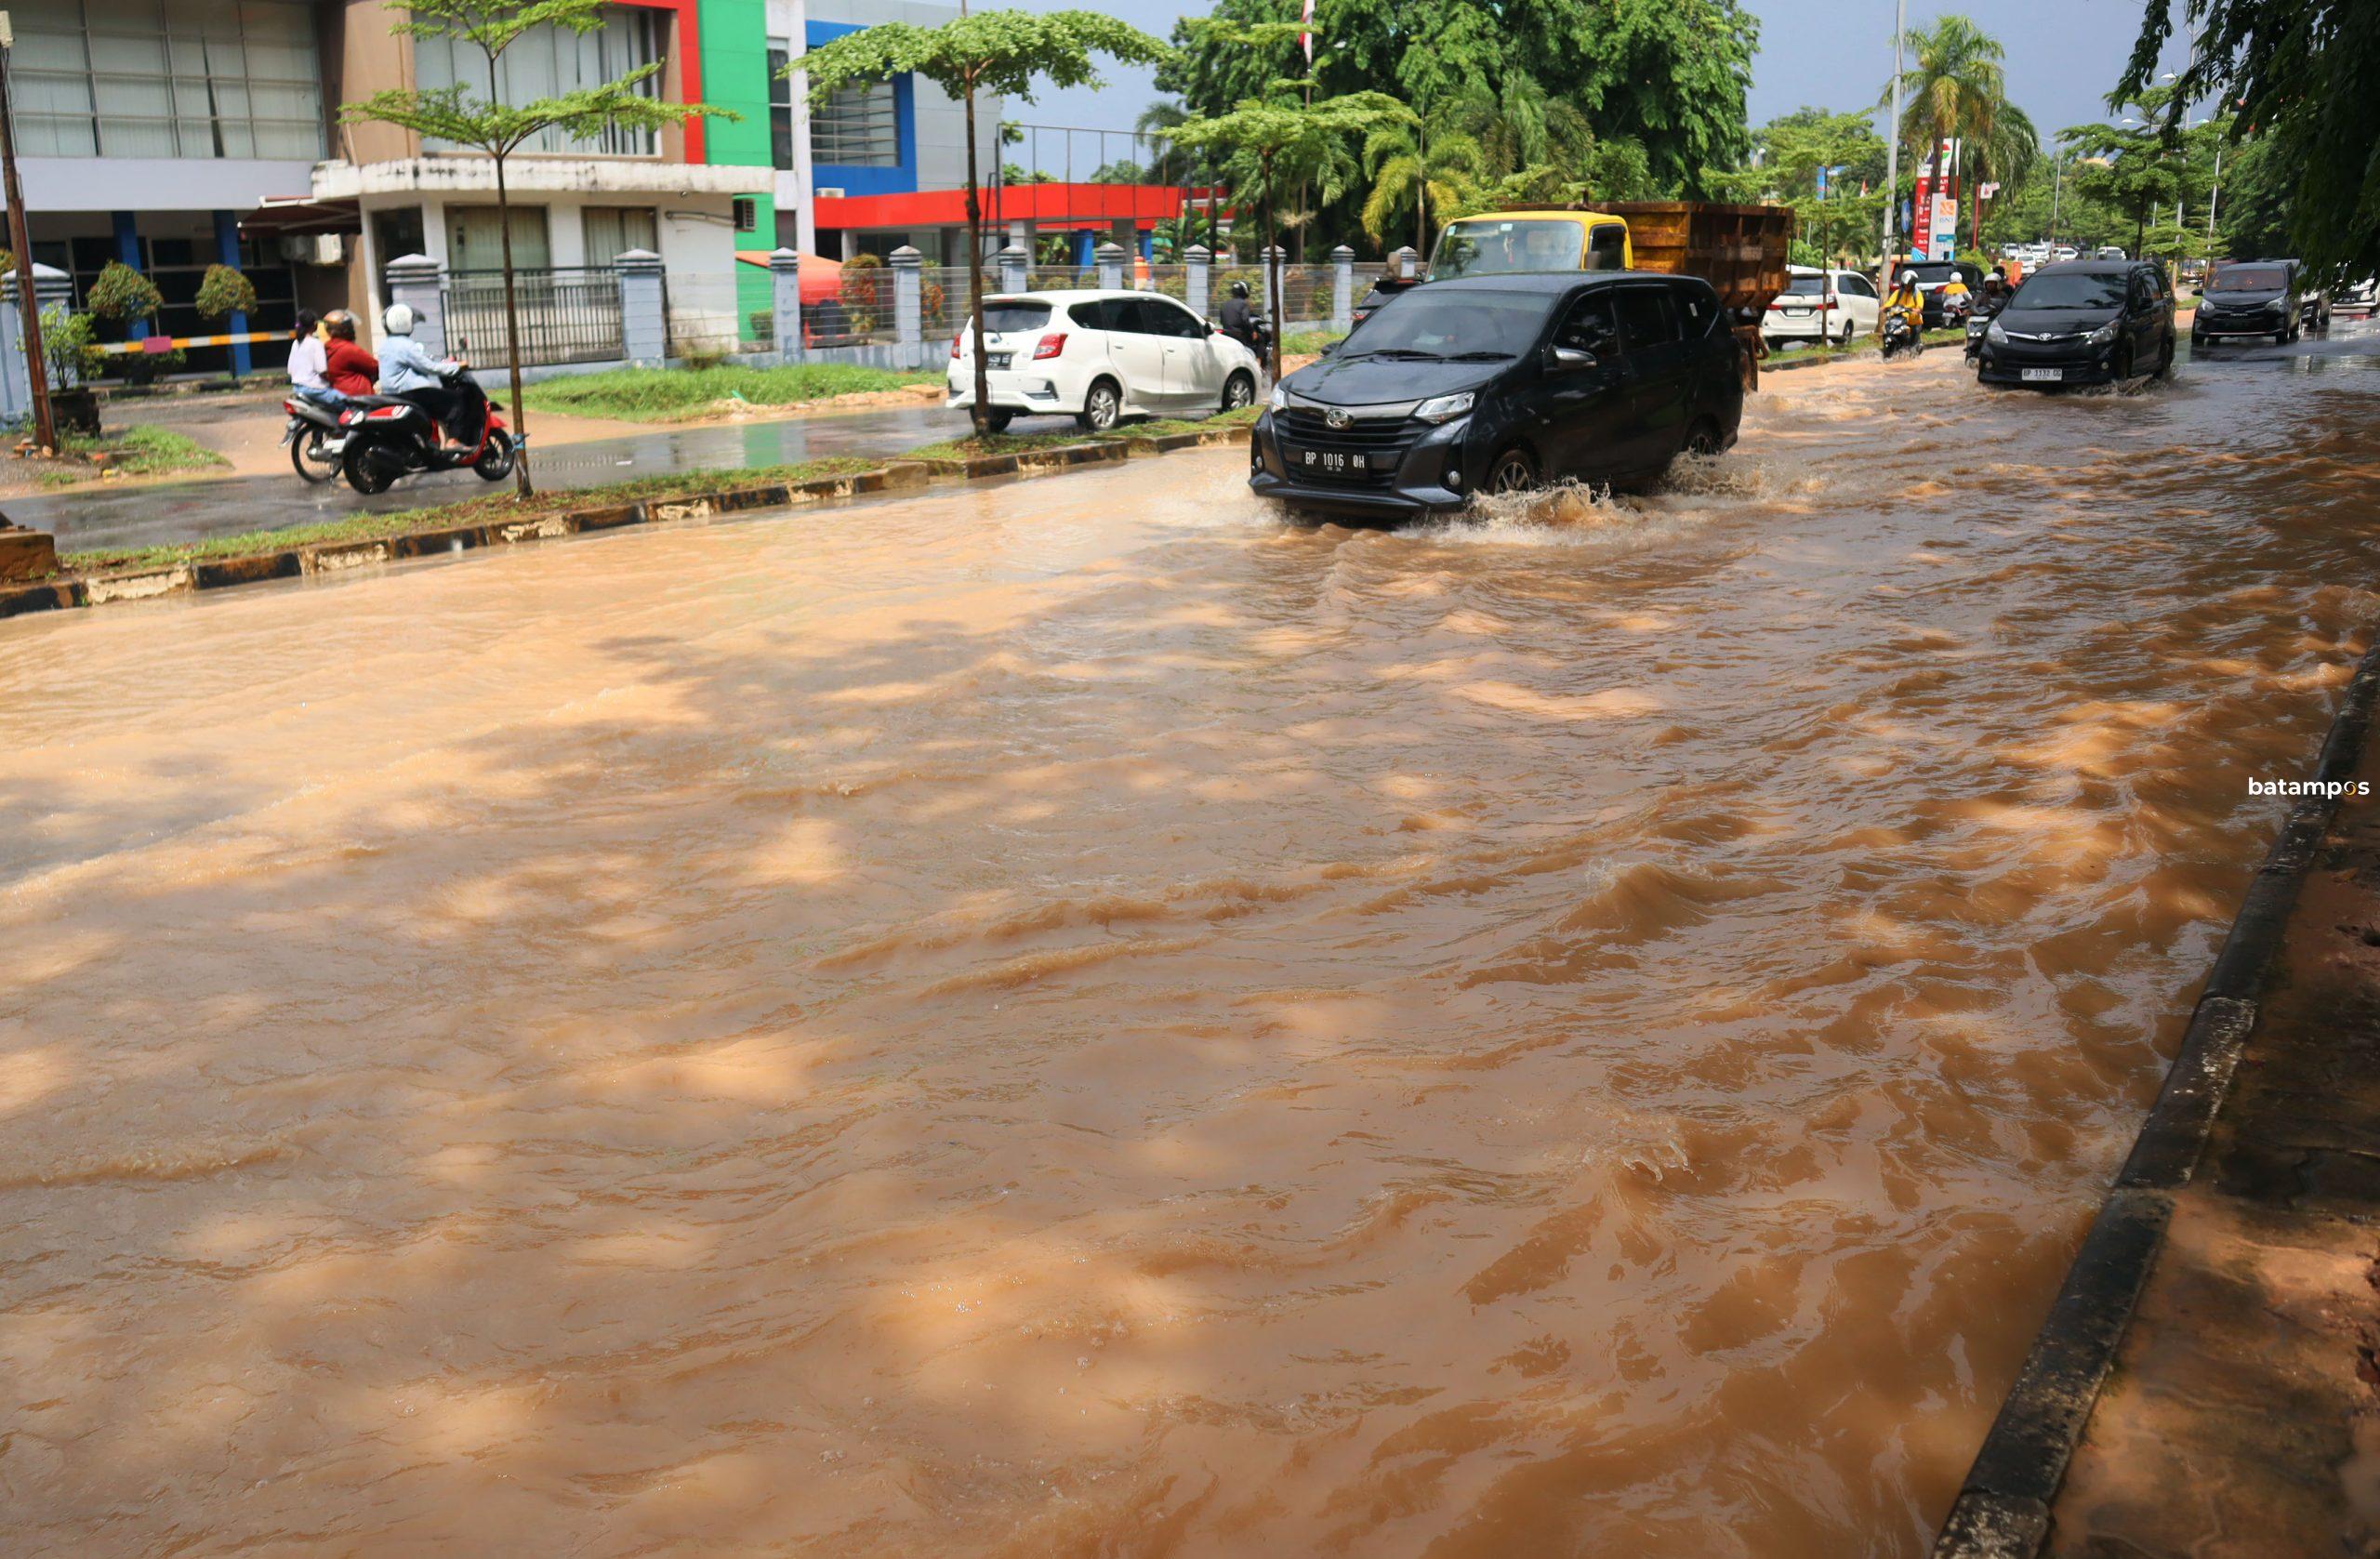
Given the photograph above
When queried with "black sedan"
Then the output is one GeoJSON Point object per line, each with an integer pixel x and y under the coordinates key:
{"type": "Point", "coordinates": [1497, 383]}
{"type": "Point", "coordinates": [2086, 322]}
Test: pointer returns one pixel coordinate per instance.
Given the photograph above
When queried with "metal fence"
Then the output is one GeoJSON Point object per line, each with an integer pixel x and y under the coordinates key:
{"type": "Point", "coordinates": [564, 315]}
{"type": "Point", "coordinates": [941, 299]}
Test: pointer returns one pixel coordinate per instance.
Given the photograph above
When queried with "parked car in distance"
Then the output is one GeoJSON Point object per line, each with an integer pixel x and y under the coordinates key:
{"type": "Point", "coordinates": [2086, 322]}
{"type": "Point", "coordinates": [1821, 306]}
{"type": "Point", "coordinates": [1501, 382]}
{"type": "Point", "coordinates": [2248, 299]}
{"type": "Point", "coordinates": [2361, 297]}
{"type": "Point", "coordinates": [1099, 356]}
{"type": "Point", "coordinates": [2314, 310]}
{"type": "Point", "coordinates": [2109, 252]}
{"type": "Point", "coordinates": [1934, 275]}
{"type": "Point", "coordinates": [2064, 252]}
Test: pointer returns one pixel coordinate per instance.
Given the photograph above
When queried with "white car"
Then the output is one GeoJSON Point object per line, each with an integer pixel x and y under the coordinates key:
{"type": "Point", "coordinates": [1100, 356]}
{"type": "Point", "coordinates": [2065, 252]}
{"type": "Point", "coordinates": [1821, 306]}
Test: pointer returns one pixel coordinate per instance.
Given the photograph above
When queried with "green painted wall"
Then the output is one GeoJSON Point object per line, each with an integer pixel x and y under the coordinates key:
{"type": "Point", "coordinates": [735, 75]}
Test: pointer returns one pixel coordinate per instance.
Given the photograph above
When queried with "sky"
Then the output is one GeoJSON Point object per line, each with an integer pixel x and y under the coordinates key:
{"type": "Point", "coordinates": [2062, 56]}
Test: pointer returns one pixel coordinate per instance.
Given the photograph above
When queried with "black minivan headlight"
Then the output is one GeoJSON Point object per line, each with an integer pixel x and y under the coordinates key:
{"type": "Point", "coordinates": [1446, 408]}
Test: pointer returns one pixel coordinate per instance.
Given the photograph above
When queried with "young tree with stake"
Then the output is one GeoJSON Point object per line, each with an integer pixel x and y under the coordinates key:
{"type": "Point", "coordinates": [489, 124]}
{"type": "Point", "coordinates": [989, 51]}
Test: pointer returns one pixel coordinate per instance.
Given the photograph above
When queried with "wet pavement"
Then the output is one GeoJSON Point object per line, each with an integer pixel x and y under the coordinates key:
{"type": "Point", "coordinates": [143, 516]}
{"type": "Point", "coordinates": [1090, 1016]}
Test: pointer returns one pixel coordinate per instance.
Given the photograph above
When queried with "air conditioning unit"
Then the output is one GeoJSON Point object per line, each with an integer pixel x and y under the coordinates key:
{"type": "Point", "coordinates": [831, 192]}
{"type": "Point", "coordinates": [314, 248]}
{"type": "Point", "coordinates": [748, 213]}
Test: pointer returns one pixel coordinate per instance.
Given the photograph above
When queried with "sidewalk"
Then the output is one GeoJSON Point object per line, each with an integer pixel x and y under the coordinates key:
{"type": "Point", "coordinates": [2239, 1414]}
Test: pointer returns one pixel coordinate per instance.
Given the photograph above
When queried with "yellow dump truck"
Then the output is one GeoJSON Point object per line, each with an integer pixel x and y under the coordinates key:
{"type": "Point", "coordinates": [1740, 250]}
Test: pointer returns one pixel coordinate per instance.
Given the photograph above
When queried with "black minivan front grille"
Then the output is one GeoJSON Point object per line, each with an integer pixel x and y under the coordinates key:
{"type": "Point", "coordinates": [1309, 426]}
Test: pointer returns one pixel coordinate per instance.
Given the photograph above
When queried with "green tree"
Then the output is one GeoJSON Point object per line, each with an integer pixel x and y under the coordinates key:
{"type": "Point", "coordinates": [2136, 168]}
{"type": "Point", "coordinates": [492, 126]}
{"type": "Point", "coordinates": [1421, 169]}
{"type": "Point", "coordinates": [1270, 147]}
{"type": "Point", "coordinates": [2300, 74]}
{"type": "Point", "coordinates": [1002, 52]}
{"type": "Point", "coordinates": [1955, 89]}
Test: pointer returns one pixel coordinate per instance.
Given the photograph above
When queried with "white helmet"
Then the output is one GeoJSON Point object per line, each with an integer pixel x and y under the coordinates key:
{"type": "Point", "coordinates": [1908, 279]}
{"type": "Point", "coordinates": [398, 320]}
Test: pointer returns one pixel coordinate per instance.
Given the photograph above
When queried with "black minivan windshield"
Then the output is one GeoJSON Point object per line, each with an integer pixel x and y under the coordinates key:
{"type": "Point", "coordinates": [1446, 324]}
{"type": "Point", "coordinates": [2073, 289]}
{"type": "Point", "coordinates": [2248, 278]}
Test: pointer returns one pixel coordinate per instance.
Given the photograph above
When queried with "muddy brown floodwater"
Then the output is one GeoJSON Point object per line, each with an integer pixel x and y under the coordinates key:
{"type": "Point", "coordinates": [1083, 1018]}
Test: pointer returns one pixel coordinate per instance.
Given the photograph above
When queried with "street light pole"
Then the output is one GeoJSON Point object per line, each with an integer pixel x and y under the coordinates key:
{"type": "Point", "coordinates": [1892, 151]}
{"type": "Point", "coordinates": [36, 367]}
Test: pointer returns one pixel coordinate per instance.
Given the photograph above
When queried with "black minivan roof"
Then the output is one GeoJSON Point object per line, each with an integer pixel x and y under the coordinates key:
{"type": "Point", "coordinates": [1555, 281]}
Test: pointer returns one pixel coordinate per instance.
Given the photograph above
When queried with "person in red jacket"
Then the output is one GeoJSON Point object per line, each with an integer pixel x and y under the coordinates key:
{"type": "Point", "coordinates": [351, 369]}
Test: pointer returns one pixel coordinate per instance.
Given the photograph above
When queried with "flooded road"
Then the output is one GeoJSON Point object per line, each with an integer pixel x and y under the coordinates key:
{"type": "Point", "coordinates": [1082, 1018]}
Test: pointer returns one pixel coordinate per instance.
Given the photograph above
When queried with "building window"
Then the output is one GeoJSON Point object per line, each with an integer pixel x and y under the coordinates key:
{"type": "Point", "coordinates": [475, 239]}
{"type": "Point", "coordinates": [613, 230]}
{"type": "Point", "coordinates": [547, 61]}
{"type": "Point", "coordinates": [857, 127]}
{"type": "Point", "coordinates": [142, 78]}
{"type": "Point", "coordinates": [780, 107]}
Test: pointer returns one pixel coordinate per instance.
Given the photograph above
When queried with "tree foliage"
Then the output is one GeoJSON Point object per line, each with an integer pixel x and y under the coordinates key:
{"type": "Point", "coordinates": [2300, 74]}
{"type": "Point", "coordinates": [224, 291]}
{"type": "Point", "coordinates": [122, 295]}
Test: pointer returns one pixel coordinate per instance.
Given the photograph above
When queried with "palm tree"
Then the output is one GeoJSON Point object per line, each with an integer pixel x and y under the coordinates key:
{"type": "Point", "coordinates": [1424, 167]}
{"type": "Point", "coordinates": [1168, 164]}
{"type": "Point", "coordinates": [1956, 89]}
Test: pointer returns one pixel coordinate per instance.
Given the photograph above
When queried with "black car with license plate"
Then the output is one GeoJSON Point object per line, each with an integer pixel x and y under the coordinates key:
{"type": "Point", "coordinates": [1500, 382]}
{"type": "Point", "coordinates": [2085, 322]}
{"type": "Point", "coordinates": [2249, 299]}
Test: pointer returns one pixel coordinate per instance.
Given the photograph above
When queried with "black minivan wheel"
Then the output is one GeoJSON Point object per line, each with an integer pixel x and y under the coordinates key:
{"type": "Point", "coordinates": [1513, 471]}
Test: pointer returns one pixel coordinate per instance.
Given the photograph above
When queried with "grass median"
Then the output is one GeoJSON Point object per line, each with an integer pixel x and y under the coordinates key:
{"type": "Point", "coordinates": [682, 394]}
{"type": "Point", "coordinates": [135, 451]}
{"type": "Point", "coordinates": [971, 447]}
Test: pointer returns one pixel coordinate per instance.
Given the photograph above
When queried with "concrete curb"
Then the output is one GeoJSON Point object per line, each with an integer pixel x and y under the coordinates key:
{"type": "Point", "coordinates": [316, 559]}
{"type": "Point", "coordinates": [2004, 1509]}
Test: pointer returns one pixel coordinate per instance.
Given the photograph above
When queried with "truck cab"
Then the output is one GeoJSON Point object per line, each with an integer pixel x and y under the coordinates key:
{"type": "Point", "coordinates": [1504, 243]}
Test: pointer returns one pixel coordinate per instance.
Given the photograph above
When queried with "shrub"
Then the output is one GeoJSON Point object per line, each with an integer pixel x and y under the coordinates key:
{"type": "Point", "coordinates": [123, 294]}
{"type": "Point", "coordinates": [66, 346]}
{"type": "Point", "coordinates": [863, 290]}
{"type": "Point", "coordinates": [224, 292]}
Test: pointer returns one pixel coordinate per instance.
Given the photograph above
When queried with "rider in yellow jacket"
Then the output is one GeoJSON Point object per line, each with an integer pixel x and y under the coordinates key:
{"type": "Point", "coordinates": [1903, 299]}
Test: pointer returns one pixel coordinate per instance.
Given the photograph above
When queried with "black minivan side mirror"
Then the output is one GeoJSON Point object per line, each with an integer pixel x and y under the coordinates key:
{"type": "Point", "coordinates": [1568, 359]}
{"type": "Point", "coordinates": [1328, 348]}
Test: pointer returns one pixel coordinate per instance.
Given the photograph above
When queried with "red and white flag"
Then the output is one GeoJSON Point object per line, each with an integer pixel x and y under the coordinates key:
{"type": "Point", "coordinates": [1306, 38]}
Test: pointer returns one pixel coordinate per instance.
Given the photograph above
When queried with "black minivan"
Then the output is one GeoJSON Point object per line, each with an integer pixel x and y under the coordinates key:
{"type": "Point", "coordinates": [1497, 383]}
{"type": "Point", "coordinates": [2085, 322]}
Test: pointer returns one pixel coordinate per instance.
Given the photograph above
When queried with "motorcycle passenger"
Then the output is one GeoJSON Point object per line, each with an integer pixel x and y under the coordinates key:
{"type": "Point", "coordinates": [1955, 294]}
{"type": "Point", "coordinates": [411, 374]}
{"type": "Point", "coordinates": [1906, 301]}
{"type": "Point", "coordinates": [1238, 321]}
{"type": "Point", "coordinates": [351, 369]}
{"type": "Point", "coordinates": [308, 377]}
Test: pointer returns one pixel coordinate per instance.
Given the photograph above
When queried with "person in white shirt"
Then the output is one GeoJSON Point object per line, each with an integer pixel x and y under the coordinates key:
{"type": "Point", "coordinates": [407, 370]}
{"type": "Point", "coordinates": [307, 364]}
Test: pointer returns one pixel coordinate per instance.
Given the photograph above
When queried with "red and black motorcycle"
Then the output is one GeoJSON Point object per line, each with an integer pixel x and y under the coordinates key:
{"type": "Point", "coordinates": [389, 436]}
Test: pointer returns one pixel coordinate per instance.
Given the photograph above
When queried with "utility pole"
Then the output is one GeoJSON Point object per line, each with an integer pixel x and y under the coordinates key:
{"type": "Point", "coordinates": [1892, 151]}
{"type": "Point", "coordinates": [2057, 187]}
{"type": "Point", "coordinates": [36, 366]}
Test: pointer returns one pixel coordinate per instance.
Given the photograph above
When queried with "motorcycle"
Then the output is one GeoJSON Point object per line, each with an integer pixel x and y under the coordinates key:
{"type": "Point", "coordinates": [316, 442]}
{"type": "Point", "coordinates": [389, 436]}
{"type": "Point", "coordinates": [1900, 337]}
{"type": "Point", "coordinates": [1978, 321]}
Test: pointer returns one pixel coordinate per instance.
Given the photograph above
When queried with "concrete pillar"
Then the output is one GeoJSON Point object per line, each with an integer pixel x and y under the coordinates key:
{"type": "Point", "coordinates": [1148, 246]}
{"type": "Point", "coordinates": [126, 226]}
{"type": "Point", "coordinates": [1013, 260]}
{"type": "Point", "coordinates": [1269, 261]}
{"type": "Point", "coordinates": [1405, 264]}
{"type": "Point", "coordinates": [1110, 257]}
{"type": "Point", "coordinates": [908, 305]}
{"type": "Point", "coordinates": [1342, 289]}
{"type": "Point", "coordinates": [1020, 236]}
{"type": "Point", "coordinates": [1198, 265]}
{"type": "Point", "coordinates": [419, 282]}
{"type": "Point", "coordinates": [1086, 239]}
{"type": "Point", "coordinates": [784, 281]}
{"type": "Point", "coordinates": [644, 308]}
{"type": "Point", "coordinates": [52, 289]}
{"type": "Point", "coordinates": [227, 252]}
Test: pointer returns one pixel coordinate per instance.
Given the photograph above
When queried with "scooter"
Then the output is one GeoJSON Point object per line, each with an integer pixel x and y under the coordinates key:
{"type": "Point", "coordinates": [1901, 337]}
{"type": "Point", "coordinates": [389, 436]}
{"type": "Point", "coordinates": [316, 442]}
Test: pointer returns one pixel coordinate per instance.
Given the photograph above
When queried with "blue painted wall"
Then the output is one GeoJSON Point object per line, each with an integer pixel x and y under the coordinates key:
{"type": "Point", "coordinates": [901, 180]}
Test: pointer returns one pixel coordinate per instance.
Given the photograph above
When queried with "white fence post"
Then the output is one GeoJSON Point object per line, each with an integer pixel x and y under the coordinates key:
{"type": "Point", "coordinates": [644, 308]}
{"type": "Point", "coordinates": [908, 307]}
{"type": "Point", "coordinates": [1109, 258]}
{"type": "Point", "coordinates": [1342, 289]}
{"type": "Point", "coordinates": [1013, 274]}
{"type": "Point", "coordinates": [1198, 265]}
{"type": "Point", "coordinates": [419, 282]}
{"type": "Point", "coordinates": [784, 298]}
{"type": "Point", "coordinates": [1405, 264]}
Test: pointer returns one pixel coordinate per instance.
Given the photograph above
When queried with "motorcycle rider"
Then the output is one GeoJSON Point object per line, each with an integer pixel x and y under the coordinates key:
{"type": "Point", "coordinates": [351, 369]}
{"type": "Point", "coordinates": [411, 374]}
{"type": "Point", "coordinates": [1905, 300]}
{"type": "Point", "coordinates": [1238, 321]}
{"type": "Point", "coordinates": [309, 379]}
